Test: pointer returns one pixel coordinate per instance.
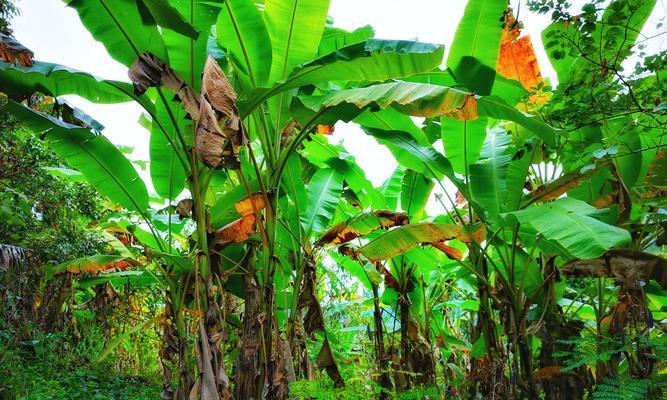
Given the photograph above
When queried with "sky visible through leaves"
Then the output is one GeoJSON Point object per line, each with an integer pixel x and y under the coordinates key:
{"type": "Point", "coordinates": [423, 20]}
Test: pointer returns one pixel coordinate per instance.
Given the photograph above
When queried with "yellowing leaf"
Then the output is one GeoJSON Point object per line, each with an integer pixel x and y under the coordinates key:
{"type": "Point", "coordinates": [250, 204]}
{"type": "Point", "coordinates": [236, 232]}
{"type": "Point", "coordinates": [400, 240]}
{"type": "Point", "coordinates": [451, 252]}
{"type": "Point", "coordinates": [517, 60]}
{"type": "Point", "coordinates": [362, 225]}
{"type": "Point", "coordinates": [325, 129]}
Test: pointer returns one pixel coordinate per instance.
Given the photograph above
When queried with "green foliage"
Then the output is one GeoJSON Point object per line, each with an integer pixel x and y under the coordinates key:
{"type": "Point", "coordinates": [236, 263]}
{"type": "Point", "coordinates": [7, 11]}
{"type": "Point", "coordinates": [42, 212]}
{"type": "Point", "coordinates": [49, 367]}
{"type": "Point", "coordinates": [627, 389]}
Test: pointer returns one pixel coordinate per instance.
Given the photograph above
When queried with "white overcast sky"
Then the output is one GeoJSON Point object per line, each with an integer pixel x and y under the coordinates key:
{"type": "Point", "coordinates": [55, 34]}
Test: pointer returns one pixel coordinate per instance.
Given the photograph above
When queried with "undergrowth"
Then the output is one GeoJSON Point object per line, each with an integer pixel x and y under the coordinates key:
{"type": "Point", "coordinates": [48, 367]}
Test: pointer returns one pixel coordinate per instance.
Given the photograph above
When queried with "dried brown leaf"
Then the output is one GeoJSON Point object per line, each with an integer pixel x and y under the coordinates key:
{"type": "Point", "coordinates": [624, 265]}
{"type": "Point", "coordinates": [11, 51]}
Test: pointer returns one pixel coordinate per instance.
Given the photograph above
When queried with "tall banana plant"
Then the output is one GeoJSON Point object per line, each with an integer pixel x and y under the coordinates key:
{"type": "Point", "coordinates": [248, 85]}
{"type": "Point", "coordinates": [234, 95]}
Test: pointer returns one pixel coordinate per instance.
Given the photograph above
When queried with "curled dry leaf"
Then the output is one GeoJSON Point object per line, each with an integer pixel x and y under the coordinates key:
{"type": "Point", "coordinates": [314, 321]}
{"type": "Point", "coordinates": [326, 361]}
{"type": "Point", "coordinates": [11, 51]}
{"type": "Point", "coordinates": [217, 90]}
{"type": "Point", "coordinates": [184, 208]}
{"type": "Point", "coordinates": [217, 146]}
{"type": "Point", "coordinates": [149, 71]}
{"type": "Point", "coordinates": [220, 94]}
{"type": "Point", "coordinates": [209, 387]}
{"type": "Point", "coordinates": [211, 143]}
{"type": "Point", "coordinates": [11, 256]}
{"type": "Point", "coordinates": [362, 225]}
{"type": "Point", "coordinates": [624, 265]}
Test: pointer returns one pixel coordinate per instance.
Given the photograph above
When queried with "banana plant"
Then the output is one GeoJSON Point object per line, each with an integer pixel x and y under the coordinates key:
{"type": "Point", "coordinates": [238, 98]}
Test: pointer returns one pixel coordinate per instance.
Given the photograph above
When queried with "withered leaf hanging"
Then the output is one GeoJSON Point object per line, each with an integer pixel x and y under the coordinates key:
{"type": "Point", "coordinates": [12, 51]}
{"type": "Point", "coordinates": [314, 321]}
{"type": "Point", "coordinates": [217, 147]}
{"type": "Point", "coordinates": [220, 94]}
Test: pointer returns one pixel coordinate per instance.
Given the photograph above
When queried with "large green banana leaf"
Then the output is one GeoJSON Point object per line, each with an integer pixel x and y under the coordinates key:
{"type": "Point", "coordinates": [56, 80]}
{"type": "Point", "coordinates": [415, 194]}
{"type": "Point", "coordinates": [295, 28]}
{"type": "Point", "coordinates": [167, 172]}
{"type": "Point", "coordinates": [121, 28]}
{"type": "Point", "coordinates": [488, 176]}
{"type": "Point", "coordinates": [496, 107]}
{"type": "Point", "coordinates": [515, 180]}
{"type": "Point", "coordinates": [187, 55]}
{"type": "Point", "coordinates": [417, 99]}
{"type": "Point", "coordinates": [425, 100]}
{"type": "Point", "coordinates": [334, 39]}
{"type": "Point", "coordinates": [392, 120]}
{"type": "Point", "coordinates": [391, 188]}
{"type": "Point", "coordinates": [373, 60]}
{"type": "Point", "coordinates": [324, 155]}
{"type": "Point", "coordinates": [120, 279]}
{"type": "Point", "coordinates": [408, 153]}
{"type": "Point", "coordinates": [570, 224]}
{"type": "Point", "coordinates": [103, 165]}
{"type": "Point", "coordinates": [164, 14]}
{"type": "Point", "coordinates": [240, 30]}
{"type": "Point", "coordinates": [479, 32]}
{"type": "Point", "coordinates": [324, 191]}
{"type": "Point", "coordinates": [292, 182]}
{"type": "Point", "coordinates": [463, 141]}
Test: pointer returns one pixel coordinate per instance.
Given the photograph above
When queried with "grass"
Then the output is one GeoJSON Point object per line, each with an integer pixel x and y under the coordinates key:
{"type": "Point", "coordinates": [50, 368]}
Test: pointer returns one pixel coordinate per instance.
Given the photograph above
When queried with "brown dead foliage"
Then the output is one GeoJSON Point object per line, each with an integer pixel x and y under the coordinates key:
{"type": "Point", "coordinates": [11, 51]}
{"type": "Point", "coordinates": [219, 131]}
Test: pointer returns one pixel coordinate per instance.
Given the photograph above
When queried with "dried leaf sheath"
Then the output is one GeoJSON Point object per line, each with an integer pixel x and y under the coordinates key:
{"type": "Point", "coordinates": [314, 321]}
{"type": "Point", "coordinates": [217, 146]}
{"type": "Point", "coordinates": [220, 94]}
